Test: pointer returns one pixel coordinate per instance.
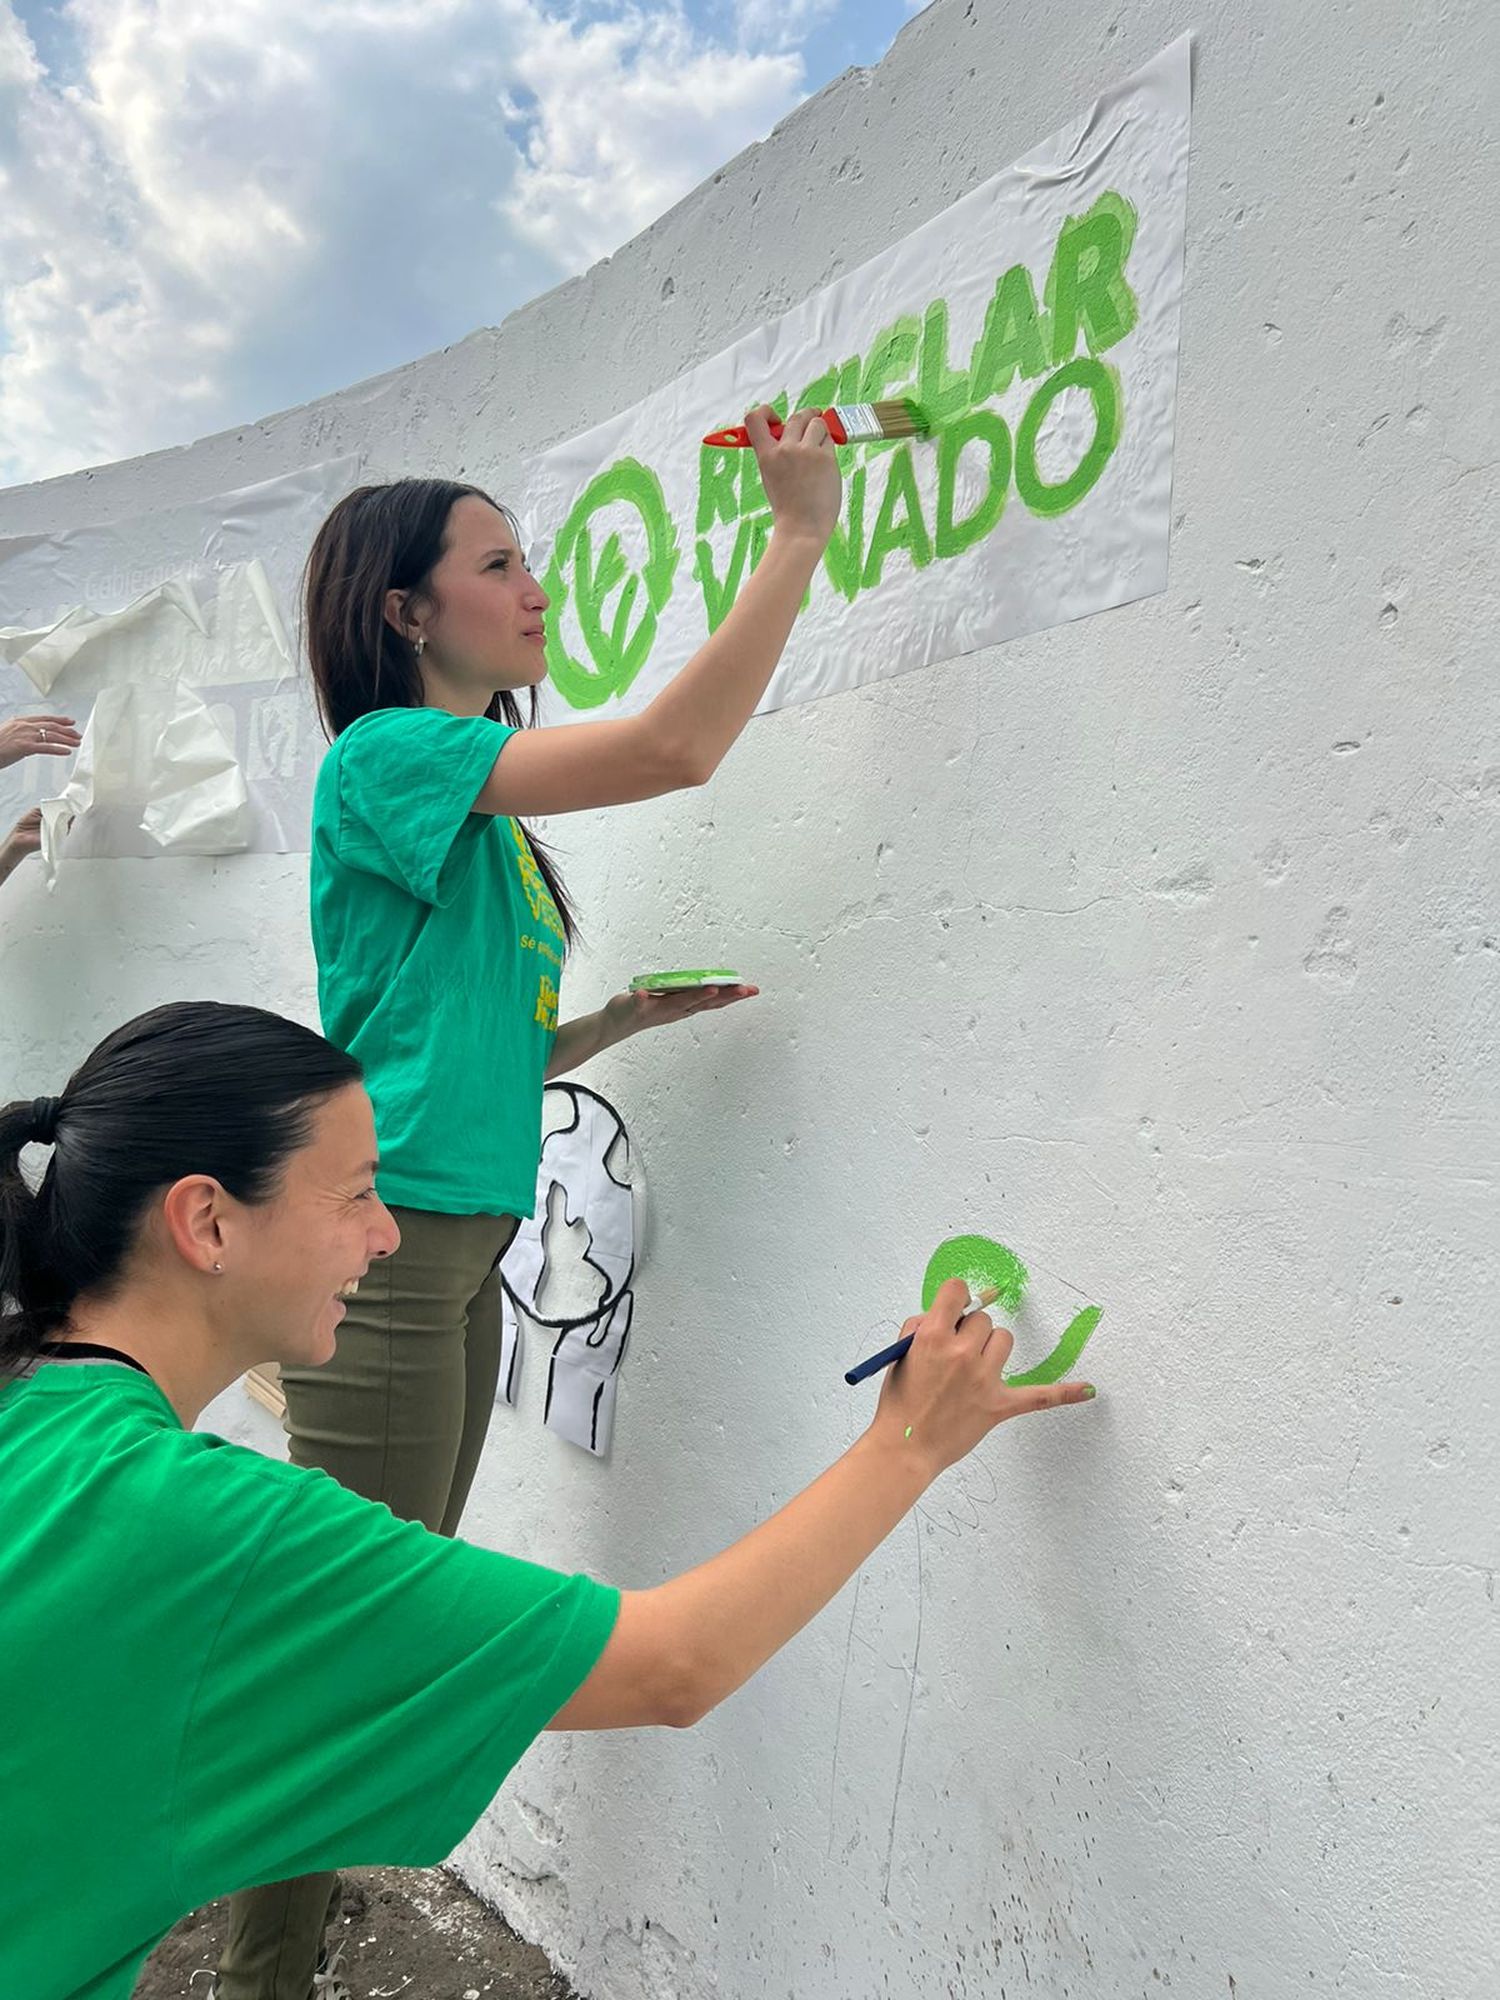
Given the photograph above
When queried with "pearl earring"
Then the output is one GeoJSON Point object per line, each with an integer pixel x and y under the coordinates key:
{"type": "Point", "coordinates": [218, 1270]}
{"type": "Point", "coordinates": [420, 642]}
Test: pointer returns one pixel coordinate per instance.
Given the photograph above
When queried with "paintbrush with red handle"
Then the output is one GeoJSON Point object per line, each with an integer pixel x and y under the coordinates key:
{"type": "Point", "coordinates": [848, 423]}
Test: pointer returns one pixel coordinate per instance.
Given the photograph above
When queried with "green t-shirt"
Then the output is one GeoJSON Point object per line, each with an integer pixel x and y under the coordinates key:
{"type": "Point", "coordinates": [439, 955]}
{"type": "Point", "coordinates": [218, 1670]}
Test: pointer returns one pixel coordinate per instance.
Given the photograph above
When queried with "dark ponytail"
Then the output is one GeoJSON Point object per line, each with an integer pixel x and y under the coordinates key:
{"type": "Point", "coordinates": [382, 538]}
{"type": "Point", "coordinates": [193, 1088]}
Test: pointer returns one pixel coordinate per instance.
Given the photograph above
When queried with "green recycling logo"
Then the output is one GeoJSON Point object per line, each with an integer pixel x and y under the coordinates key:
{"type": "Point", "coordinates": [617, 648]}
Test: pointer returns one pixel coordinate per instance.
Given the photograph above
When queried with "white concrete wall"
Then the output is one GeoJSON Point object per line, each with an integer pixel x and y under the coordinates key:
{"type": "Point", "coordinates": [1163, 946]}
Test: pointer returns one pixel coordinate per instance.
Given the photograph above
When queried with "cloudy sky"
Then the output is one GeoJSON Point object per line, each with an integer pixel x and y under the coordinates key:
{"type": "Point", "coordinates": [213, 209]}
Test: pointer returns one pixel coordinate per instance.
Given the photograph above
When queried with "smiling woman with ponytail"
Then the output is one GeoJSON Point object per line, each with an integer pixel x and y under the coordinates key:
{"type": "Point", "coordinates": [219, 1091]}
{"type": "Point", "coordinates": [217, 1669]}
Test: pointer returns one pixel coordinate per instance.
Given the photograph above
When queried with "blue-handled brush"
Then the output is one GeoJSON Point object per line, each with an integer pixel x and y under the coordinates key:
{"type": "Point", "coordinates": [888, 1355]}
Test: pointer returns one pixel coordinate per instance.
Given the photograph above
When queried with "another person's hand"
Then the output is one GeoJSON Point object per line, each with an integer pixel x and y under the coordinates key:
{"type": "Point", "coordinates": [24, 838]}
{"type": "Point", "coordinates": [949, 1390]}
{"type": "Point", "coordinates": [800, 472]}
{"type": "Point", "coordinates": [37, 736]}
{"type": "Point", "coordinates": [630, 1013]}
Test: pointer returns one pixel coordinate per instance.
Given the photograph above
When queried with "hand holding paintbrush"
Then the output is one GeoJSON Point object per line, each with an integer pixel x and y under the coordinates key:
{"type": "Point", "coordinates": [888, 1356]}
{"type": "Point", "coordinates": [845, 423]}
{"type": "Point", "coordinates": [799, 472]}
{"type": "Point", "coordinates": [952, 1342]}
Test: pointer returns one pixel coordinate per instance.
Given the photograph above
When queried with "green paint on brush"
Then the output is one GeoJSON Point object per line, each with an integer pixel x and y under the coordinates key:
{"type": "Point", "coordinates": [983, 1263]}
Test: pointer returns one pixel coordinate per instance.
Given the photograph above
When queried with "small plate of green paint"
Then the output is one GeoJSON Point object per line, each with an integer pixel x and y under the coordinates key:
{"type": "Point", "coordinates": [683, 982]}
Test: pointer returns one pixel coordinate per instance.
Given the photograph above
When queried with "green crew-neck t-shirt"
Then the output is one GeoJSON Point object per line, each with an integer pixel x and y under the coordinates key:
{"type": "Point", "coordinates": [440, 955]}
{"type": "Point", "coordinates": [219, 1670]}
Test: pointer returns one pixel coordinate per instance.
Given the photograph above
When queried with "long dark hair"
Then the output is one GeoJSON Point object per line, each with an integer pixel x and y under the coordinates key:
{"type": "Point", "coordinates": [381, 538]}
{"type": "Point", "coordinates": [193, 1088]}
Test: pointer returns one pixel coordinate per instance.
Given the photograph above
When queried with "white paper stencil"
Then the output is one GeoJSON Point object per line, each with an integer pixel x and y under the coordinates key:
{"type": "Point", "coordinates": [571, 1267]}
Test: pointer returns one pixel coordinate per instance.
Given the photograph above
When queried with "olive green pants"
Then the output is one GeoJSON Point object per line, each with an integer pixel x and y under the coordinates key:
{"type": "Point", "coordinates": [399, 1414]}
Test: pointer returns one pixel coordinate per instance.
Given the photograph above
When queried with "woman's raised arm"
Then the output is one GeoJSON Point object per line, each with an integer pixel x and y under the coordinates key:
{"type": "Point", "coordinates": [680, 739]}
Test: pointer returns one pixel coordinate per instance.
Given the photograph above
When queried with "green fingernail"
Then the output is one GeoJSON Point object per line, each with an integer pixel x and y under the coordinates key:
{"type": "Point", "coordinates": [908, 1430]}
{"type": "Point", "coordinates": [1090, 1393]}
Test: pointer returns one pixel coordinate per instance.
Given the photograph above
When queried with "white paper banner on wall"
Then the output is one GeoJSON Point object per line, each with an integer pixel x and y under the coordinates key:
{"type": "Point", "coordinates": [1035, 321]}
{"type": "Point", "coordinates": [166, 636]}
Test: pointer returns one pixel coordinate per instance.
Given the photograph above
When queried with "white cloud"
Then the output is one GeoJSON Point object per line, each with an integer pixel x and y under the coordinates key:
{"type": "Point", "coordinates": [227, 205]}
{"type": "Point", "coordinates": [781, 23]}
{"type": "Point", "coordinates": [629, 114]}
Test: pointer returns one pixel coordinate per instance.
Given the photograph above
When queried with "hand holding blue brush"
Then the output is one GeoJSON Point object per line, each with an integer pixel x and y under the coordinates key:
{"type": "Point", "coordinates": [992, 1272]}
{"type": "Point", "coordinates": [888, 1356]}
{"type": "Point", "coordinates": [954, 1337]}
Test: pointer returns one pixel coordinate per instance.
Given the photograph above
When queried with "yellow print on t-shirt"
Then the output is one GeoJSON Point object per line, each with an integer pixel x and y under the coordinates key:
{"type": "Point", "coordinates": [529, 943]}
{"type": "Point", "coordinates": [533, 885]}
{"type": "Point", "coordinates": [546, 1004]}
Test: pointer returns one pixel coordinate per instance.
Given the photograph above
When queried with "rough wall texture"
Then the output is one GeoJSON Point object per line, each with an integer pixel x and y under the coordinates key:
{"type": "Point", "coordinates": [1163, 946]}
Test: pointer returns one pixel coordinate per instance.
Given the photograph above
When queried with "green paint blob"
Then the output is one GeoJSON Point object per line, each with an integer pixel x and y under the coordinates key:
{"type": "Point", "coordinates": [844, 557]}
{"type": "Point", "coordinates": [982, 1262]}
{"type": "Point", "coordinates": [718, 484]}
{"type": "Point", "coordinates": [952, 537]}
{"type": "Point", "coordinates": [1014, 340]}
{"type": "Point", "coordinates": [942, 392]}
{"type": "Point", "coordinates": [899, 524]}
{"type": "Point", "coordinates": [719, 596]}
{"type": "Point", "coordinates": [1065, 1356]}
{"type": "Point", "coordinates": [1086, 287]}
{"type": "Point", "coordinates": [619, 649]}
{"type": "Point", "coordinates": [891, 360]}
{"type": "Point", "coordinates": [675, 982]}
{"type": "Point", "coordinates": [1103, 388]}
{"type": "Point", "coordinates": [834, 385]}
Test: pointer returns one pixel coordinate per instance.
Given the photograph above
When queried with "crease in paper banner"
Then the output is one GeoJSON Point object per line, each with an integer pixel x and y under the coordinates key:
{"type": "Point", "coordinates": [164, 634]}
{"type": "Point", "coordinates": [265, 705]}
{"type": "Point", "coordinates": [156, 758]}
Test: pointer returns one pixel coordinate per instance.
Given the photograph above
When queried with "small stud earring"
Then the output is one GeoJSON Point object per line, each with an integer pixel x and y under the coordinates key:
{"type": "Point", "coordinates": [218, 1270]}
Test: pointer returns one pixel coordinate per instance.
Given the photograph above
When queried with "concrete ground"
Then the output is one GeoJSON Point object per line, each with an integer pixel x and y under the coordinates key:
{"type": "Point", "coordinates": [407, 1932]}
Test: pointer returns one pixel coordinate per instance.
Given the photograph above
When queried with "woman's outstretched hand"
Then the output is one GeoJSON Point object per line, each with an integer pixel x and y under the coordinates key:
{"type": "Point", "coordinates": [24, 838]}
{"type": "Point", "coordinates": [37, 736]}
{"type": "Point", "coordinates": [630, 1013]}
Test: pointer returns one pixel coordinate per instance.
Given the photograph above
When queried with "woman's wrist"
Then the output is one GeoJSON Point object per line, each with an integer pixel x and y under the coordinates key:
{"type": "Point", "coordinates": [797, 543]}
{"type": "Point", "coordinates": [906, 1462]}
{"type": "Point", "coordinates": [614, 1023]}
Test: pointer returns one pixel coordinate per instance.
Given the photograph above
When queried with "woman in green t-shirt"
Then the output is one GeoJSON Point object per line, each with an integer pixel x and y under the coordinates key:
{"type": "Point", "coordinates": [440, 925]}
{"type": "Point", "coordinates": [440, 928]}
{"type": "Point", "coordinates": [240, 1671]}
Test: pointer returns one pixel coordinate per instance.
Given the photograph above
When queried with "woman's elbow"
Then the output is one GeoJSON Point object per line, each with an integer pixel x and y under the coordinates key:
{"type": "Point", "coordinates": [684, 1695]}
{"type": "Point", "coordinates": [690, 766]}
{"type": "Point", "coordinates": [672, 759]}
